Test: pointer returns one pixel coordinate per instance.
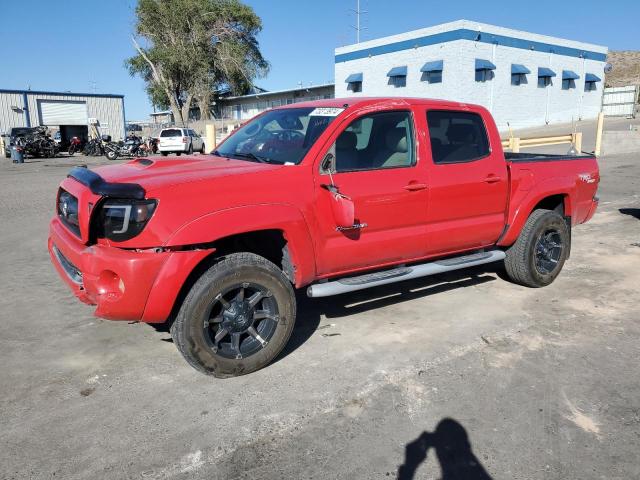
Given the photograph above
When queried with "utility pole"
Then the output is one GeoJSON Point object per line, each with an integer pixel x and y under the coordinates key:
{"type": "Point", "coordinates": [358, 28]}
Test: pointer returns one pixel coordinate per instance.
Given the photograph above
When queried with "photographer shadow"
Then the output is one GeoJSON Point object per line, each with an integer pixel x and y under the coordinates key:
{"type": "Point", "coordinates": [453, 451]}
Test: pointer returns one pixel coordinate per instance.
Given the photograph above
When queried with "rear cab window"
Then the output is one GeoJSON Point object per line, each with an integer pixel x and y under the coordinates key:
{"type": "Point", "coordinates": [457, 137]}
{"type": "Point", "coordinates": [171, 132]}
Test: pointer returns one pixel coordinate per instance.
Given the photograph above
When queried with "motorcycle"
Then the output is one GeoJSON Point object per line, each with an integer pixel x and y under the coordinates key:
{"type": "Point", "coordinates": [132, 147]}
{"type": "Point", "coordinates": [39, 144]}
{"type": "Point", "coordinates": [75, 145]}
{"type": "Point", "coordinates": [94, 147]}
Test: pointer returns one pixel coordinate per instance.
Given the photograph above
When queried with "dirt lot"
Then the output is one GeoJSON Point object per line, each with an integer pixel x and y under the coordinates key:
{"type": "Point", "coordinates": [422, 378]}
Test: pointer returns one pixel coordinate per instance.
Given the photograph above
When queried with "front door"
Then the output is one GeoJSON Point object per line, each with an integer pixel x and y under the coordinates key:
{"type": "Point", "coordinates": [377, 167]}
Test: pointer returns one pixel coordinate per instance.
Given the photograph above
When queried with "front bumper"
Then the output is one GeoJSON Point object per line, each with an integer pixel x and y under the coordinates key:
{"type": "Point", "coordinates": [123, 284]}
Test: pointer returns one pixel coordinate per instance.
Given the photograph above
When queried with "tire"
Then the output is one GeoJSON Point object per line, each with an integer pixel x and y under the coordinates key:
{"type": "Point", "coordinates": [537, 257]}
{"type": "Point", "coordinates": [111, 155]}
{"type": "Point", "coordinates": [164, 154]}
{"type": "Point", "coordinates": [203, 317]}
{"type": "Point", "coordinates": [178, 154]}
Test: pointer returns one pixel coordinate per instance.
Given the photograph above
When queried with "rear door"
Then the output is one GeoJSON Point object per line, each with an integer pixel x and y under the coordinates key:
{"type": "Point", "coordinates": [172, 138]}
{"type": "Point", "coordinates": [377, 167]}
{"type": "Point", "coordinates": [468, 182]}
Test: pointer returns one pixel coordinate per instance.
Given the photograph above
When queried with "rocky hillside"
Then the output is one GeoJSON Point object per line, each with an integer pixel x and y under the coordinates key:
{"type": "Point", "coordinates": [626, 68]}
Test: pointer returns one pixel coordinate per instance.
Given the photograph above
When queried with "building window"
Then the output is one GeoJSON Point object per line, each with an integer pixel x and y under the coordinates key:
{"type": "Point", "coordinates": [590, 81]}
{"type": "Point", "coordinates": [398, 77]}
{"type": "Point", "coordinates": [545, 76]}
{"type": "Point", "coordinates": [432, 71]}
{"type": "Point", "coordinates": [354, 82]}
{"type": "Point", "coordinates": [569, 79]}
{"type": "Point", "coordinates": [355, 87]}
{"type": "Point", "coordinates": [484, 70]}
{"type": "Point", "coordinates": [519, 74]}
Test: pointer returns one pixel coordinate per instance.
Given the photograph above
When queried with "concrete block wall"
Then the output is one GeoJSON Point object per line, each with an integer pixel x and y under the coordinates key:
{"type": "Point", "coordinates": [521, 106]}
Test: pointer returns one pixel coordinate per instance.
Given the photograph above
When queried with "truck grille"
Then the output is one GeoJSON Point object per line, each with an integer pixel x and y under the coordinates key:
{"type": "Point", "coordinates": [70, 269]}
{"type": "Point", "coordinates": [68, 211]}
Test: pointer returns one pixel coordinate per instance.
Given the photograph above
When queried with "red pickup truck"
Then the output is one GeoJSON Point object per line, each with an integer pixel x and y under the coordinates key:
{"type": "Point", "coordinates": [334, 195]}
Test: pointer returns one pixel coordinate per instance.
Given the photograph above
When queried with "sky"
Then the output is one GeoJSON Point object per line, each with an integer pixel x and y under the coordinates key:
{"type": "Point", "coordinates": [81, 45]}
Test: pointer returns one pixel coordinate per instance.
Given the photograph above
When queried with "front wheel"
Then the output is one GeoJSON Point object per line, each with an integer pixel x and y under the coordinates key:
{"type": "Point", "coordinates": [537, 257]}
{"type": "Point", "coordinates": [236, 318]}
{"type": "Point", "coordinates": [111, 155]}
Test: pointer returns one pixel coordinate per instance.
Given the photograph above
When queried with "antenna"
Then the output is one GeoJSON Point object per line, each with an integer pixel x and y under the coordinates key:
{"type": "Point", "coordinates": [358, 28]}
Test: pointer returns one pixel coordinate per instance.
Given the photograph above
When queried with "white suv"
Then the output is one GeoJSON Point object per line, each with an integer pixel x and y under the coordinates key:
{"type": "Point", "coordinates": [180, 140]}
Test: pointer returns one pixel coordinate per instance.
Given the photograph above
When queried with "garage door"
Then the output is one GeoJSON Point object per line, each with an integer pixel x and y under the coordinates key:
{"type": "Point", "coordinates": [62, 113]}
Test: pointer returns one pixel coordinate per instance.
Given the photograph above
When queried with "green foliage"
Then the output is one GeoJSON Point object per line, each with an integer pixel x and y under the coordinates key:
{"type": "Point", "coordinates": [195, 48]}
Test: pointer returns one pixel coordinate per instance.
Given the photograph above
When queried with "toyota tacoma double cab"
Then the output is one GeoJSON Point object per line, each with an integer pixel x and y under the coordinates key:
{"type": "Point", "coordinates": [333, 195]}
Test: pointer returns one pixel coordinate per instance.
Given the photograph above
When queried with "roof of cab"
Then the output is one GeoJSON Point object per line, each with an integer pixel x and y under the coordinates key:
{"type": "Point", "coordinates": [371, 101]}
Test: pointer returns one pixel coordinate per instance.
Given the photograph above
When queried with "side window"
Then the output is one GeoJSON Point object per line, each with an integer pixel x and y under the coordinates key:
{"type": "Point", "coordinates": [457, 136]}
{"type": "Point", "coordinates": [376, 141]}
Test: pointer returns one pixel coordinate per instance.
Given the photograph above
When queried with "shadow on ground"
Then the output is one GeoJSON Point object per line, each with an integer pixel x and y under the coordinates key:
{"type": "Point", "coordinates": [311, 310]}
{"type": "Point", "coordinates": [632, 212]}
{"type": "Point", "coordinates": [452, 448]}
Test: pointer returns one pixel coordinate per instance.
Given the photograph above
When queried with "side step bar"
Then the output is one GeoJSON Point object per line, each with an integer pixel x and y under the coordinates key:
{"type": "Point", "coordinates": [351, 284]}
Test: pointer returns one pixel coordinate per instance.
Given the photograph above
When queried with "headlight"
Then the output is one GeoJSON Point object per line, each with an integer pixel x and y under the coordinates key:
{"type": "Point", "coordinates": [121, 220]}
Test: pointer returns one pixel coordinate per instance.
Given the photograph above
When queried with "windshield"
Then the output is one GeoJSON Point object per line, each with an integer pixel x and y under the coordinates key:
{"type": "Point", "coordinates": [279, 136]}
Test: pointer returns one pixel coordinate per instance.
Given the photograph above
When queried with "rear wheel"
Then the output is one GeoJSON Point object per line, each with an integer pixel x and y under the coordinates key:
{"type": "Point", "coordinates": [537, 257]}
{"type": "Point", "coordinates": [237, 317]}
{"type": "Point", "coordinates": [164, 154]}
{"type": "Point", "coordinates": [111, 155]}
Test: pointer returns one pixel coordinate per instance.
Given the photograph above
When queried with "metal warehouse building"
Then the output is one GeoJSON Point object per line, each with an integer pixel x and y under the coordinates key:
{"type": "Point", "coordinates": [523, 78]}
{"type": "Point", "coordinates": [70, 113]}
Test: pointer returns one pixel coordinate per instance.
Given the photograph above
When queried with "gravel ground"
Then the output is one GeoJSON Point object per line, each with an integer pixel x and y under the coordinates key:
{"type": "Point", "coordinates": [463, 375]}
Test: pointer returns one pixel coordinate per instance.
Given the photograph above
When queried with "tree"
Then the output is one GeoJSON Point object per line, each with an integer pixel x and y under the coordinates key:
{"type": "Point", "coordinates": [194, 49]}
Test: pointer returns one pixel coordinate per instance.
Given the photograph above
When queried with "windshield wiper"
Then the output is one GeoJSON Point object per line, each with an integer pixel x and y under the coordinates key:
{"type": "Point", "coordinates": [253, 156]}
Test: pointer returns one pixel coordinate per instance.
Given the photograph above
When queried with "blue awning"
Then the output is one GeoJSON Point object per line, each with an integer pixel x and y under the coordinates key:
{"type": "Point", "coordinates": [590, 77]}
{"type": "Point", "coordinates": [569, 75]}
{"type": "Point", "coordinates": [521, 69]}
{"type": "Point", "coordinates": [484, 64]}
{"type": "Point", "coordinates": [546, 72]}
{"type": "Point", "coordinates": [397, 72]}
{"type": "Point", "coordinates": [354, 77]}
{"type": "Point", "coordinates": [435, 66]}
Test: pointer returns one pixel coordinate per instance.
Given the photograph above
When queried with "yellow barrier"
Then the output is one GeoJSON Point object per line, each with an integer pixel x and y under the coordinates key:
{"type": "Point", "coordinates": [515, 144]}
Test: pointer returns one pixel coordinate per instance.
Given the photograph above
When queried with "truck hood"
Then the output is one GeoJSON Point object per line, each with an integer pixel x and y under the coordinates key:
{"type": "Point", "coordinates": [153, 174]}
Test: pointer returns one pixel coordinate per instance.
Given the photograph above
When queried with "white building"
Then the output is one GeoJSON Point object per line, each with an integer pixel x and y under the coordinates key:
{"type": "Point", "coordinates": [523, 78]}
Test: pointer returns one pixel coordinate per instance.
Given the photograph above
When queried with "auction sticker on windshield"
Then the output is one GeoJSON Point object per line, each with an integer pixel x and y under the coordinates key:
{"type": "Point", "coordinates": [326, 112]}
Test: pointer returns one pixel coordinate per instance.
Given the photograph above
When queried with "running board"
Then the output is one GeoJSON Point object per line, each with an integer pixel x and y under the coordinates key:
{"type": "Point", "coordinates": [351, 284]}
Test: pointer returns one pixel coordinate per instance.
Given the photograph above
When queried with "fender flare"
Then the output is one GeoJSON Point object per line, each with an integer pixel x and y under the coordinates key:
{"type": "Point", "coordinates": [224, 223]}
{"type": "Point", "coordinates": [525, 205]}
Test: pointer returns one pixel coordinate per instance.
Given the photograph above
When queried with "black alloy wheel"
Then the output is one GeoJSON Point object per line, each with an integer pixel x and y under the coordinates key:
{"type": "Point", "coordinates": [241, 321]}
{"type": "Point", "coordinates": [548, 251]}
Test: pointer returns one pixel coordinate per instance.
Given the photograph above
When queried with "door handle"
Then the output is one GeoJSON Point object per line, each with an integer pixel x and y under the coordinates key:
{"type": "Point", "coordinates": [413, 187]}
{"type": "Point", "coordinates": [492, 179]}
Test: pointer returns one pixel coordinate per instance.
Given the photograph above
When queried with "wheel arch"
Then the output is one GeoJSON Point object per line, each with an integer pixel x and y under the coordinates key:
{"type": "Point", "coordinates": [557, 199]}
{"type": "Point", "coordinates": [269, 230]}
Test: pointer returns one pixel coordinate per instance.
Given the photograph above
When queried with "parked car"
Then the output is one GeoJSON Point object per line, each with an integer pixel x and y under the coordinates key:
{"type": "Point", "coordinates": [332, 195]}
{"type": "Point", "coordinates": [15, 135]}
{"type": "Point", "coordinates": [180, 140]}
